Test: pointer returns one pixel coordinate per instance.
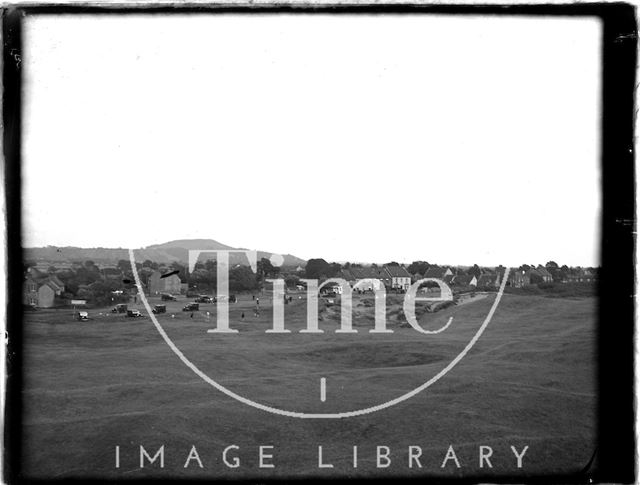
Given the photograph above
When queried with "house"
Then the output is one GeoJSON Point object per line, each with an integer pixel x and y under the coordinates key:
{"type": "Point", "coordinates": [30, 291]}
{"type": "Point", "coordinates": [439, 273]}
{"type": "Point", "coordinates": [465, 280]}
{"type": "Point", "coordinates": [535, 277]}
{"type": "Point", "coordinates": [46, 295]}
{"type": "Point", "coordinates": [544, 274]}
{"type": "Point", "coordinates": [58, 285]}
{"type": "Point", "coordinates": [517, 277]}
{"type": "Point", "coordinates": [399, 277]}
{"type": "Point", "coordinates": [158, 284]}
{"type": "Point", "coordinates": [36, 273]}
{"type": "Point", "coordinates": [43, 266]}
{"type": "Point", "coordinates": [368, 273]}
{"type": "Point", "coordinates": [331, 289]}
{"type": "Point", "coordinates": [42, 291]}
{"type": "Point", "coordinates": [488, 280]}
{"type": "Point", "coordinates": [579, 275]}
{"type": "Point", "coordinates": [590, 274]}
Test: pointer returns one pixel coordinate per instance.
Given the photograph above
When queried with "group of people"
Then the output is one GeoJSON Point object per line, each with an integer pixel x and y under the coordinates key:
{"type": "Point", "coordinates": [256, 310]}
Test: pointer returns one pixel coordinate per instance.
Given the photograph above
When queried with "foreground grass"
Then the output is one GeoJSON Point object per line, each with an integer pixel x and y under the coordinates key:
{"type": "Point", "coordinates": [530, 380]}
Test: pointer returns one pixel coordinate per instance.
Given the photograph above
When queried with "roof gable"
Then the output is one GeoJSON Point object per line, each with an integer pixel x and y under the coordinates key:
{"type": "Point", "coordinates": [397, 272]}
{"type": "Point", "coordinates": [435, 272]}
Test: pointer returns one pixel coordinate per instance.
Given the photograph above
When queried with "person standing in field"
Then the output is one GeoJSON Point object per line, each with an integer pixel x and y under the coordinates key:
{"type": "Point", "coordinates": [242, 317]}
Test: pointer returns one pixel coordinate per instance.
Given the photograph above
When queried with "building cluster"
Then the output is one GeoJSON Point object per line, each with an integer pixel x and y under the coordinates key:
{"type": "Point", "coordinates": [44, 286]}
{"type": "Point", "coordinates": [394, 277]}
{"type": "Point", "coordinates": [398, 277]}
{"type": "Point", "coordinates": [41, 289]}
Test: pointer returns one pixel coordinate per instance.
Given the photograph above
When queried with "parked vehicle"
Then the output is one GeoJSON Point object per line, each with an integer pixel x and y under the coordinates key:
{"type": "Point", "coordinates": [167, 297]}
{"type": "Point", "coordinates": [134, 313]}
{"type": "Point", "coordinates": [230, 298]}
{"type": "Point", "coordinates": [160, 309]}
{"type": "Point", "coordinates": [120, 308]}
{"type": "Point", "coordinates": [204, 299]}
{"type": "Point", "coordinates": [82, 316]}
{"type": "Point", "coordinates": [191, 307]}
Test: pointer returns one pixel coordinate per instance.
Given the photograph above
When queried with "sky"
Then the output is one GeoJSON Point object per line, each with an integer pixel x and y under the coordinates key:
{"type": "Point", "coordinates": [450, 139]}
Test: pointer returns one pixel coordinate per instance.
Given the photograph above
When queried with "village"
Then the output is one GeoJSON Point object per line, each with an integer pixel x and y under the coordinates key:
{"type": "Point", "coordinates": [66, 284]}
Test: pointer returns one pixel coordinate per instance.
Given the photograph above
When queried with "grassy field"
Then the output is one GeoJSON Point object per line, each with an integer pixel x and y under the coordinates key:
{"type": "Point", "coordinates": [530, 380]}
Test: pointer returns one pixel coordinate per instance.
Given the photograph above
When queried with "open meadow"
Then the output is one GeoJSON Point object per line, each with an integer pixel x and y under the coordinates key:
{"type": "Point", "coordinates": [530, 380]}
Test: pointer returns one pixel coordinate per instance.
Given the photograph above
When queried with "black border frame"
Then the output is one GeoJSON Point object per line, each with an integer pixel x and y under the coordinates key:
{"type": "Point", "coordinates": [614, 459]}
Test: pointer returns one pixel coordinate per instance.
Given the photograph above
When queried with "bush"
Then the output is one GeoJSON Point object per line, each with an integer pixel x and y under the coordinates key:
{"type": "Point", "coordinates": [556, 290]}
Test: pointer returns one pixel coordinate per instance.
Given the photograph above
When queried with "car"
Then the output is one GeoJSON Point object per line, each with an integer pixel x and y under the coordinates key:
{"type": "Point", "coordinates": [134, 313]}
{"type": "Point", "coordinates": [82, 316]}
{"type": "Point", "coordinates": [230, 298]}
{"type": "Point", "coordinates": [191, 307]}
{"type": "Point", "coordinates": [167, 297]}
{"type": "Point", "coordinates": [160, 309]}
{"type": "Point", "coordinates": [204, 299]}
{"type": "Point", "coordinates": [120, 308]}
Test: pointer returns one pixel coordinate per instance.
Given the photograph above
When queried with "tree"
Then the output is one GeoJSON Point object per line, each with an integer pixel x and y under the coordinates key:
{"type": "Point", "coordinates": [291, 280]}
{"type": "Point", "coordinates": [181, 269]}
{"type": "Point", "coordinates": [266, 269]}
{"type": "Point", "coordinates": [419, 267]}
{"type": "Point", "coordinates": [145, 274]}
{"type": "Point", "coordinates": [392, 263]}
{"type": "Point", "coordinates": [551, 264]}
{"type": "Point", "coordinates": [210, 265]}
{"type": "Point", "coordinates": [317, 268]}
{"type": "Point", "coordinates": [242, 278]}
{"type": "Point", "coordinates": [101, 292]}
{"type": "Point", "coordinates": [124, 265]}
{"type": "Point", "coordinates": [335, 270]}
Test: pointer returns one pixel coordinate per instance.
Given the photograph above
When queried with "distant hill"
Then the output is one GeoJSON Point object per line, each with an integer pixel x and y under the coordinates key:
{"type": "Point", "coordinates": [160, 253]}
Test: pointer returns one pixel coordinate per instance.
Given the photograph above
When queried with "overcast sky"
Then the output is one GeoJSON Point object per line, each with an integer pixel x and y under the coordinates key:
{"type": "Point", "coordinates": [451, 139]}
